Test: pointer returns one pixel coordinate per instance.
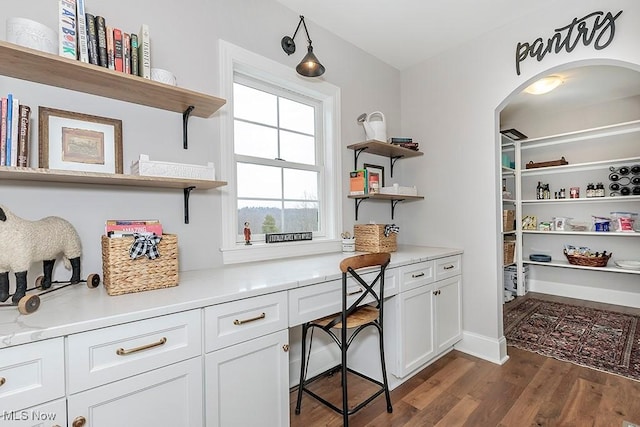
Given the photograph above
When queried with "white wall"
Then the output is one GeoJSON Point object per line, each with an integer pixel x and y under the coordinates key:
{"type": "Point", "coordinates": [184, 39]}
{"type": "Point", "coordinates": [449, 104]}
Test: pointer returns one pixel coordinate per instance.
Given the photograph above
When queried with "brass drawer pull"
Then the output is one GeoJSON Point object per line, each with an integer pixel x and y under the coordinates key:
{"type": "Point", "coordinates": [123, 352]}
{"type": "Point", "coordinates": [359, 291]}
{"type": "Point", "coordinates": [414, 276]}
{"type": "Point", "coordinates": [449, 267]}
{"type": "Point", "coordinates": [2, 381]}
{"type": "Point", "coordinates": [253, 319]}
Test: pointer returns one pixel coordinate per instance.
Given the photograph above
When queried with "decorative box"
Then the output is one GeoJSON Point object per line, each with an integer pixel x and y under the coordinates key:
{"type": "Point", "coordinates": [123, 275]}
{"type": "Point", "coordinates": [146, 167]}
{"type": "Point", "coordinates": [371, 238]}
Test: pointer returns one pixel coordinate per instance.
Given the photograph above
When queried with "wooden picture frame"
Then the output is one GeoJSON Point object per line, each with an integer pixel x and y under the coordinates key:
{"type": "Point", "coordinates": [375, 169]}
{"type": "Point", "coordinates": [79, 142]}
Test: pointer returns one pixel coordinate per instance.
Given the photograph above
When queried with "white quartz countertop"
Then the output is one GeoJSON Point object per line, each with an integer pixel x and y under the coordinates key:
{"type": "Point", "coordinates": [78, 308]}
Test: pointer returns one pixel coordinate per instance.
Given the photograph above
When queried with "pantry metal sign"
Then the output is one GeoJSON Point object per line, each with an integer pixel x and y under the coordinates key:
{"type": "Point", "coordinates": [597, 28]}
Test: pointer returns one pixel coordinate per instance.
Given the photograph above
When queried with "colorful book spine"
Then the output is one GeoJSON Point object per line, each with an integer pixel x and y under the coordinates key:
{"type": "Point", "coordinates": [101, 30]}
{"type": "Point", "coordinates": [126, 53]}
{"type": "Point", "coordinates": [81, 31]}
{"type": "Point", "coordinates": [67, 43]}
{"type": "Point", "coordinates": [23, 136]}
{"type": "Point", "coordinates": [130, 227]}
{"type": "Point", "coordinates": [134, 55]}
{"type": "Point", "coordinates": [110, 48]}
{"type": "Point", "coordinates": [92, 39]}
{"type": "Point", "coordinates": [3, 132]}
{"type": "Point", "coordinates": [15, 121]}
{"type": "Point", "coordinates": [144, 52]}
{"type": "Point", "coordinates": [7, 161]}
{"type": "Point", "coordinates": [118, 50]}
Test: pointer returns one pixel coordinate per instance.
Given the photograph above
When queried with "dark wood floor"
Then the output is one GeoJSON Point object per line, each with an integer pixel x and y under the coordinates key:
{"type": "Point", "coordinates": [462, 390]}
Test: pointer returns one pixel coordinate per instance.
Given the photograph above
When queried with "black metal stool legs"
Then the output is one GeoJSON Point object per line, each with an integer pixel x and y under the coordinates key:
{"type": "Point", "coordinates": [384, 371]}
{"type": "Point", "coordinates": [303, 367]}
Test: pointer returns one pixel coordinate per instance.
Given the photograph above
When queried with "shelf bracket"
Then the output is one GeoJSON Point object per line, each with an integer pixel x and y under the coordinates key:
{"type": "Point", "coordinates": [187, 193]}
{"type": "Point", "coordinates": [357, 203]}
{"type": "Point", "coordinates": [185, 122]}
{"type": "Point", "coordinates": [392, 161]}
{"type": "Point", "coordinates": [356, 154]}
{"type": "Point", "coordinates": [393, 206]}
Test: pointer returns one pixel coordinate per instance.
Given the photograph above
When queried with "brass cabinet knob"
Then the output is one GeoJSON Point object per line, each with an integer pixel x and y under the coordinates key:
{"type": "Point", "coordinates": [79, 422]}
{"type": "Point", "coordinates": [285, 347]}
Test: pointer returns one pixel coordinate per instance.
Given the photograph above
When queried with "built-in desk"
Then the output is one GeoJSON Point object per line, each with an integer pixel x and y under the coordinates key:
{"type": "Point", "coordinates": [231, 322]}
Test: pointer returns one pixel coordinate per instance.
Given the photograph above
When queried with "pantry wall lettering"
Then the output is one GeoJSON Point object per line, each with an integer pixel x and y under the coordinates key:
{"type": "Point", "coordinates": [598, 28]}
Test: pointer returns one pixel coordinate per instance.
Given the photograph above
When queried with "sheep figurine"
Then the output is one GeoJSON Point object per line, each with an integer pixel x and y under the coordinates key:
{"type": "Point", "coordinates": [24, 242]}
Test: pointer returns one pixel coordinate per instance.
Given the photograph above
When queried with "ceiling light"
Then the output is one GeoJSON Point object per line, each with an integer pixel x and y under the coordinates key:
{"type": "Point", "coordinates": [544, 85]}
{"type": "Point", "coordinates": [310, 66]}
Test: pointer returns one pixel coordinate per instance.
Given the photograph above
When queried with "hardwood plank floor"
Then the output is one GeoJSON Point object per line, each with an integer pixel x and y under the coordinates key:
{"type": "Point", "coordinates": [462, 390]}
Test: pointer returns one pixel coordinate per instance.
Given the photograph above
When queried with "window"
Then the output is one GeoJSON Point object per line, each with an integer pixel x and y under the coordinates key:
{"type": "Point", "coordinates": [281, 156]}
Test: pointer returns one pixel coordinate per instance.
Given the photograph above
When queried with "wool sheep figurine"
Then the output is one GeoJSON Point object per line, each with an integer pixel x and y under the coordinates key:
{"type": "Point", "coordinates": [24, 242]}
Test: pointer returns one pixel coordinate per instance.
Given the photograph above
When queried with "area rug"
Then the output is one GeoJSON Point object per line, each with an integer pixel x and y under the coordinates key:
{"type": "Point", "coordinates": [598, 339]}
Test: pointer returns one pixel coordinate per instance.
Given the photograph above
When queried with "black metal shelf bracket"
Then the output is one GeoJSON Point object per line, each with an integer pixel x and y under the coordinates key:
{"type": "Point", "coordinates": [393, 206]}
{"type": "Point", "coordinates": [187, 193]}
{"type": "Point", "coordinates": [357, 203]}
{"type": "Point", "coordinates": [356, 154]}
{"type": "Point", "coordinates": [392, 161]}
{"type": "Point", "coordinates": [185, 122]}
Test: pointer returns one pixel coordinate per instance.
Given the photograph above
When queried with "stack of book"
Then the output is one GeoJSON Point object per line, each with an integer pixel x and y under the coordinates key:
{"type": "Point", "coordinates": [403, 142]}
{"type": "Point", "coordinates": [127, 227]}
{"type": "Point", "coordinates": [90, 39]}
{"type": "Point", "coordinates": [14, 132]}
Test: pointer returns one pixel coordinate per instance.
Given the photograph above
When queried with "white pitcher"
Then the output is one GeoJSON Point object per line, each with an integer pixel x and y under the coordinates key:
{"type": "Point", "coordinates": [375, 126]}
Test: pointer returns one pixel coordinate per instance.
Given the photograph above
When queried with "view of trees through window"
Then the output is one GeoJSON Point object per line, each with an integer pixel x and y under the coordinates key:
{"type": "Point", "coordinates": [278, 174]}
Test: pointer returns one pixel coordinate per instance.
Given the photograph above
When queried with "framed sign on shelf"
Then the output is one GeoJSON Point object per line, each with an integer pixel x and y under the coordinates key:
{"type": "Point", "coordinates": [81, 142]}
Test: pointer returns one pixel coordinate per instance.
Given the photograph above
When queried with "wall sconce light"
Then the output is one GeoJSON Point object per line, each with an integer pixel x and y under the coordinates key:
{"type": "Point", "coordinates": [309, 66]}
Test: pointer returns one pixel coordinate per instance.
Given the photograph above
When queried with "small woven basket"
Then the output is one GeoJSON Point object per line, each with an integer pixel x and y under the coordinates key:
{"type": "Point", "coordinates": [123, 275]}
{"type": "Point", "coordinates": [588, 261]}
{"type": "Point", "coordinates": [371, 238]}
{"type": "Point", "coordinates": [509, 249]}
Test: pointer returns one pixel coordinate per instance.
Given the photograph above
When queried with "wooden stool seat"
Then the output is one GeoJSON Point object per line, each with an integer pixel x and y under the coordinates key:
{"type": "Point", "coordinates": [361, 316]}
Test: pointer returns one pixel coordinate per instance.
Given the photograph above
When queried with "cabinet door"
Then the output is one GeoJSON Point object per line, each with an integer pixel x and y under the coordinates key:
{"type": "Point", "coordinates": [52, 414]}
{"type": "Point", "coordinates": [414, 329]}
{"type": "Point", "coordinates": [448, 317]}
{"type": "Point", "coordinates": [248, 384]}
{"type": "Point", "coordinates": [170, 396]}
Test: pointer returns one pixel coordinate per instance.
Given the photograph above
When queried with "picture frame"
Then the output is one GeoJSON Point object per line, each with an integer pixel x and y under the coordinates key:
{"type": "Point", "coordinates": [80, 142]}
{"type": "Point", "coordinates": [375, 169]}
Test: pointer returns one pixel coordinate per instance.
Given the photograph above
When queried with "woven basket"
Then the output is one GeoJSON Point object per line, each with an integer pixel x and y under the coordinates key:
{"type": "Point", "coordinates": [123, 275]}
{"type": "Point", "coordinates": [371, 238]}
{"type": "Point", "coordinates": [588, 261]}
{"type": "Point", "coordinates": [509, 249]}
{"type": "Point", "coordinates": [508, 217]}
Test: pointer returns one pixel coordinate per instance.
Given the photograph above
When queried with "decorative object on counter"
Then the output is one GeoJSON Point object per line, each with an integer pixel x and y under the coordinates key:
{"type": "Point", "coordinates": [310, 66]}
{"type": "Point", "coordinates": [348, 242]}
{"type": "Point", "coordinates": [540, 257]}
{"type": "Point", "coordinates": [529, 222]}
{"type": "Point", "coordinates": [80, 142]}
{"type": "Point", "coordinates": [374, 126]}
{"type": "Point", "coordinates": [288, 237]}
{"type": "Point", "coordinates": [513, 134]}
{"type": "Point", "coordinates": [24, 242]}
{"type": "Point", "coordinates": [146, 167]}
{"type": "Point", "coordinates": [247, 233]}
{"type": "Point", "coordinates": [584, 256]}
{"type": "Point", "coordinates": [376, 237]}
{"type": "Point", "coordinates": [124, 275]}
{"type": "Point", "coordinates": [34, 35]}
{"type": "Point", "coordinates": [533, 165]}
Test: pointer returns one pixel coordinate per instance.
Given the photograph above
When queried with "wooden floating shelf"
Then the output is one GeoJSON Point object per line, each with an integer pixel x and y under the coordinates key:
{"type": "Point", "coordinates": [53, 70]}
{"type": "Point", "coordinates": [384, 149]}
{"type": "Point", "coordinates": [386, 197]}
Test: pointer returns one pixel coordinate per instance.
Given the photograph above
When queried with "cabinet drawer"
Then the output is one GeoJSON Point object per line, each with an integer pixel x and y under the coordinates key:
{"type": "Point", "coordinates": [315, 301]}
{"type": "Point", "coordinates": [416, 275]}
{"type": "Point", "coordinates": [50, 414]}
{"type": "Point", "coordinates": [109, 354]}
{"type": "Point", "coordinates": [448, 267]}
{"type": "Point", "coordinates": [237, 321]}
{"type": "Point", "coordinates": [31, 374]}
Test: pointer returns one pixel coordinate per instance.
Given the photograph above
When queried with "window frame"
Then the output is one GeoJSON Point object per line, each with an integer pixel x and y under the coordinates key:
{"type": "Point", "coordinates": [234, 59]}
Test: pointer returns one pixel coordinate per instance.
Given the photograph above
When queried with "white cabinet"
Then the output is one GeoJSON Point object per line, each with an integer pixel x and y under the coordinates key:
{"type": "Point", "coordinates": [51, 414]}
{"type": "Point", "coordinates": [247, 362]}
{"type": "Point", "coordinates": [593, 156]}
{"type": "Point", "coordinates": [447, 313]}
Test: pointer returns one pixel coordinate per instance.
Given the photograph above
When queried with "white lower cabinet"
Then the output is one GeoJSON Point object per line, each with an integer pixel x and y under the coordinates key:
{"type": "Point", "coordinates": [447, 313]}
{"type": "Point", "coordinates": [169, 396]}
{"type": "Point", "coordinates": [51, 414]}
{"type": "Point", "coordinates": [247, 384]}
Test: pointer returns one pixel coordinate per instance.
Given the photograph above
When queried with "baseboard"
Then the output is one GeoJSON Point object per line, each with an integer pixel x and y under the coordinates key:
{"type": "Point", "coordinates": [609, 296]}
{"type": "Point", "coordinates": [487, 348]}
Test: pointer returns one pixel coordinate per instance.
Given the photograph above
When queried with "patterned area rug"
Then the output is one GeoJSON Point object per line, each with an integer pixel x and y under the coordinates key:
{"type": "Point", "coordinates": [598, 339]}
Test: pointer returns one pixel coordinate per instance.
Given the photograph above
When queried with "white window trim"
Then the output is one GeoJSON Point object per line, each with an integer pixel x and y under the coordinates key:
{"type": "Point", "coordinates": [234, 58]}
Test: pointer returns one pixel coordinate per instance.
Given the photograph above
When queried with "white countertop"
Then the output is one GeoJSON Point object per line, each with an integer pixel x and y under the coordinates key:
{"type": "Point", "coordinates": [79, 308]}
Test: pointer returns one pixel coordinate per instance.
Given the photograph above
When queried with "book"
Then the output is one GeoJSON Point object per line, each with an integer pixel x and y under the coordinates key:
{"type": "Point", "coordinates": [144, 52]}
{"type": "Point", "coordinates": [81, 31]}
{"type": "Point", "coordinates": [101, 31]}
{"type": "Point", "coordinates": [358, 184]}
{"type": "Point", "coordinates": [15, 120]}
{"type": "Point", "coordinates": [118, 50]}
{"type": "Point", "coordinates": [23, 135]}
{"type": "Point", "coordinates": [8, 133]}
{"type": "Point", "coordinates": [110, 47]}
{"type": "Point", "coordinates": [92, 39]}
{"type": "Point", "coordinates": [134, 54]}
{"type": "Point", "coordinates": [133, 226]}
{"type": "Point", "coordinates": [126, 53]}
{"type": "Point", "coordinates": [67, 38]}
{"type": "Point", "coordinates": [3, 131]}
{"type": "Point", "coordinates": [396, 139]}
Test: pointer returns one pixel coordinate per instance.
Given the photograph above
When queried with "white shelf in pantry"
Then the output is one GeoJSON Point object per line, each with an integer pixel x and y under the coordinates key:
{"type": "Point", "coordinates": [565, 264]}
{"type": "Point", "coordinates": [581, 135]}
{"type": "Point", "coordinates": [579, 167]}
{"type": "Point", "coordinates": [585, 200]}
{"type": "Point", "coordinates": [585, 233]}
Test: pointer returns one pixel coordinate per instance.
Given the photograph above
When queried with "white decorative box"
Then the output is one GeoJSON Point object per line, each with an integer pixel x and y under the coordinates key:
{"type": "Point", "coordinates": [397, 189]}
{"type": "Point", "coordinates": [146, 167]}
